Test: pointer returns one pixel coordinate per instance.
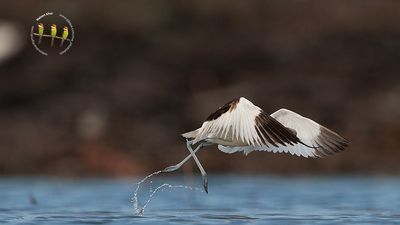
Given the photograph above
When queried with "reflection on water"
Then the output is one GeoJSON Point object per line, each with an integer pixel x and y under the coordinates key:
{"type": "Point", "coordinates": [232, 199]}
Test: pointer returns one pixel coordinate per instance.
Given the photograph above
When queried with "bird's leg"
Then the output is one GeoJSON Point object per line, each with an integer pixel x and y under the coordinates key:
{"type": "Point", "coordinates": [177, 166]}
{"type": "Point", "coordinates": [203, 173]}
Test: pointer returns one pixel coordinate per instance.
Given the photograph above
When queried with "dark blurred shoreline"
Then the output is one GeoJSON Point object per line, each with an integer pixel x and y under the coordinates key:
{"type": "Point", "coordinates": [141, 73]}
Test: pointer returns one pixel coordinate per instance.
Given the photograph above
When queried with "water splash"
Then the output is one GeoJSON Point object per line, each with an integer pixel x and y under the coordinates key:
{"type": "Point", "coordinates": [135, 197]}
{"type": "Point", "coordinates": [140, 210]}
{"type": "Point", "coordinates": [162, 188]}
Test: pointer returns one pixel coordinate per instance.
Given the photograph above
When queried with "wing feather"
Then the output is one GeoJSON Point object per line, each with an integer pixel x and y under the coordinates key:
{"type": "Point", "coordinates": [315, 139]}
{"type": "Point", "coordinates": [240, 123]}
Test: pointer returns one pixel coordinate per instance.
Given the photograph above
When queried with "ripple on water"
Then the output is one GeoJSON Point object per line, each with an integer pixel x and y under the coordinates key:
{"type": "Point", "coordinates": [227, 217]}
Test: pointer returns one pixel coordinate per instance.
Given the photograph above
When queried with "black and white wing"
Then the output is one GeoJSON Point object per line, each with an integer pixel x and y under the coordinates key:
{"type": "Point", "coordinates": [315, 140]}
{"type": "Point", "coordinates": [241, 123]}
{"type": "Point", "coordinates": [324, 141]}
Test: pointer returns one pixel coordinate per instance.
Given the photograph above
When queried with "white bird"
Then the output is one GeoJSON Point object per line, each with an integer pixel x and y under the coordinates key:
{"type": "Point", "coordinates": [240, 126]}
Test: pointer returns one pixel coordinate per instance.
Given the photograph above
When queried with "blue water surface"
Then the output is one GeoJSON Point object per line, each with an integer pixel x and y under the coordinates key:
{"type": "Point", "coordinates": [232, 199]}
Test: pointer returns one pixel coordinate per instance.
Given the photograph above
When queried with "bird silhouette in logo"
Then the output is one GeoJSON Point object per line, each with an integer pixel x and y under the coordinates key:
{"type": "Point", "coordinates": [64, 35]}
{"type": "Point", "coordinates": [53, 33]}
{"type": "Point", "coordinates": [40, 32]}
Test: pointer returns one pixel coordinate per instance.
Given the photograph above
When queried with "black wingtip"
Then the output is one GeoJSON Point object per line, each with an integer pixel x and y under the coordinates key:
{"type": "Point", "coordinates": [223, 109]}
{"type": "Point", "coordinates": [328, 143]}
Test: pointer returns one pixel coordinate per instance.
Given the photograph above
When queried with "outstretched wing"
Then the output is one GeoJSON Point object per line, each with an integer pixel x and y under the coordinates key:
{"type": "Point", "coordinates": [324, 141]}
{"type": "Point", "coordinates": [241, 123]}
{"type": "Point", "coordinates": [314, 140]}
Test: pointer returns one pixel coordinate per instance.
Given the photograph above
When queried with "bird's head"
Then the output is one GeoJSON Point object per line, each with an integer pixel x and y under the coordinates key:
{"type": "Point", "coordinates": [65, 29]}
{"type": "Point", "coordinates": [53, 26]}
{"type": "Point", "coordinates": [40, 25]}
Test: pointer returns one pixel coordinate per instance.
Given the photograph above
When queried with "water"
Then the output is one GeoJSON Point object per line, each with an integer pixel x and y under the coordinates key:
{"type": "Point", "coordinates": [231, 200]}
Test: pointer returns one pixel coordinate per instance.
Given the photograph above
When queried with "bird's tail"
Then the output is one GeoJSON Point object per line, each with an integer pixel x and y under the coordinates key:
{"type": "Point", "coordinates": [190, 134]}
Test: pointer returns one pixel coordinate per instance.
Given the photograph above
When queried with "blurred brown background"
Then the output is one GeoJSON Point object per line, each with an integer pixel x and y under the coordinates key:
{"type": "Point", "coordinates": [141, 72]}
